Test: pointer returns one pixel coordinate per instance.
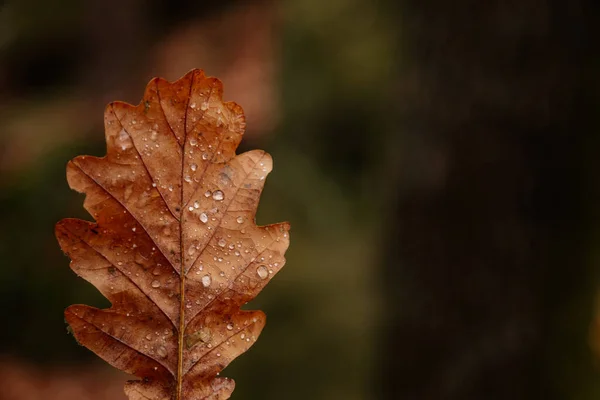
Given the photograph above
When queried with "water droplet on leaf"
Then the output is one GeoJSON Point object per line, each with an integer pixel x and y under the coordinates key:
{"type": "Point", "coordinates": [203, 218]}
{"type": "Point", "coordinates": [161, 351]}
{"type": "Point", "coordinates": [262, 272]}
{"type": "Point", "coordinates": [218, 195]}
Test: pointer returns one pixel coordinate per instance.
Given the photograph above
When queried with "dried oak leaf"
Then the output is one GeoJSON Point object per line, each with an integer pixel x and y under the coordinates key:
{"type": "Point", "coordinates": [175, 247]}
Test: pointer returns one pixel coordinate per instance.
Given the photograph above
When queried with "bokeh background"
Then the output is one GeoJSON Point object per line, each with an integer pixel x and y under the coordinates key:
{"type": "Point", "coordinates": [438, 162]}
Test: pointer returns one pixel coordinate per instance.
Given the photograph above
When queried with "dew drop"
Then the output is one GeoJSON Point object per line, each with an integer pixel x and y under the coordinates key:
{"type": "Point", "coordinates": [161, 351]}
{"type": "Point", "coordinates": [196, 204]}
{"type": "Point", "coordinates": [125, 140]}
{"type": "Point", "coordinates": [240, 220]}
{"type": "Point", "coordinates": [218, 195]}
{"type": "Point", "coordinates": [206, 280]}
{"type": "Point", "coordinates": [208, 193]}
{"type": "Point", "coordinates": [193, 142]}
{"type": "Point", "coordinates": [148, 337]}
{"type": "Point", "coordinates": [229, 327]}
{"type": "Point", "coordinates": [188, 179]}
{"type": "Point", "coordinates": [193, 167]}
{"type": "Point", "coordinates": [155, 284]}
{"type": "Point", "coordinates": [204, 106]}
{"type": "Point", "coordinates": [262, 272]}
{"type": "Point", "coordinates": [203, 218]}
{"type": "Point", "coordinates": [205, 156]}
{"type": "Point", "coordinates": [222, 243]}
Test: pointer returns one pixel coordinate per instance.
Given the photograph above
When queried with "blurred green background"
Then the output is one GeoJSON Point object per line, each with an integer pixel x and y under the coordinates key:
{"type": "Point", "coordinates": [437, 161]}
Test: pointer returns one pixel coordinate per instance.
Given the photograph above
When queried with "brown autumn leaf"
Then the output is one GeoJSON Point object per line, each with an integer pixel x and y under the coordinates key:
{"type": "Point", "coordinates": [175, 247]}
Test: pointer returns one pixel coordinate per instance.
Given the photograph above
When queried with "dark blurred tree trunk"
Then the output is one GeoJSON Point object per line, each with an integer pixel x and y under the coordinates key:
{"type": "Point", "coordinates": [488, 288]}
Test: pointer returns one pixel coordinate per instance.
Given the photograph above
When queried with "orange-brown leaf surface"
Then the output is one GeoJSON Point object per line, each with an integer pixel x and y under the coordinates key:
{"type": "Point", "coordinates": [175, 247]}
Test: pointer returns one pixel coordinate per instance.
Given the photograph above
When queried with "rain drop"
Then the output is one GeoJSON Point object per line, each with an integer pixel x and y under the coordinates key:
{"type": "Point", "coordinates": [240, 220]}
{"type": "Point", "coordinates": [161, 351]}
{"type": "Point", "coordinates": [262, 272]}
{"type": "Point", "coordinates": [206, 280]}
{"type": "Point", "coordinates": [193, 167]}
{"type": "Point", "coordinates": [203, 218]}
{"type": "Point", "coordinates": [218, 195]}
{"type": "Point", "coordinates": [155, 284]}
{"type": "Point", "coordinates": [222, 243]}
{"type": "Point", "coordinates": [229, 327]}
